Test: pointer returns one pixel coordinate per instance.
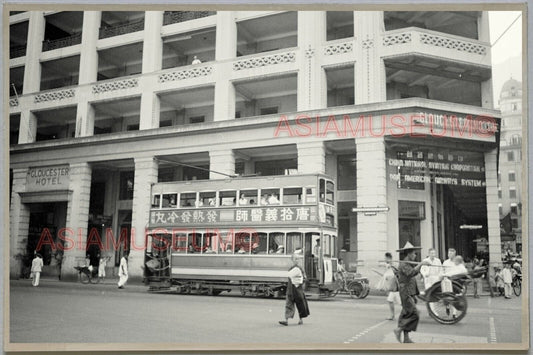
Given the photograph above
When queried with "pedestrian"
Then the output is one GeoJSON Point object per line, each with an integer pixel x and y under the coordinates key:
{"type": "Point", "coordinates": [408, 320]}
{"type": "Point", "coordinates": [123, 271]}
{"type": "Point", "coordinates": [36, 268]}
{"type": "Point", "coordinates": [432, 272]}
{"type": "Point", "coordinates": [507, 276]}
{"type": "Point", "coordinates": [295, 295]}
{"type": "Point", "coordinates": [478, 277]}
{"type": "Point", "coordinates": [498, 279]}
{"type": "Point", "coordinates": [393, 296]}
{"type": "Point", "coordinates": [102, 263]}
{"type": "Point", "coordinates": [450, 262]}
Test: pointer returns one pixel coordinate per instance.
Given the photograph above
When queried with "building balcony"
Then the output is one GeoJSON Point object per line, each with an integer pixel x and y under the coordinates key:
{"type": "Point", "coordinates": [121, 29]}
{"type": "Point", "coordinates": [436, 44]}
{"type": "Point", "coordinates": [62, 42]}
{"type": "Point", "coordinates": [18, 51]}
{"type": "Point", "coordinates": [171, 17]}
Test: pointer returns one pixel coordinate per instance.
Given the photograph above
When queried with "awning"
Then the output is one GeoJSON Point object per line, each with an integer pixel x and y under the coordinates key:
{"type": "Point", "coordinates": [45, 196]}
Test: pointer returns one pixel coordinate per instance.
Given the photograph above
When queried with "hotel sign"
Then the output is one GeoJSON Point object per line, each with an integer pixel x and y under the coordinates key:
{"type": "Point", "coordinates": [47, 178]}
{"type": "Point", "coordinates": [236, 216]}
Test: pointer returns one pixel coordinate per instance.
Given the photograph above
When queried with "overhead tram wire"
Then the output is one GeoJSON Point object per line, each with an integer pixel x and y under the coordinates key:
{"type": "Point", "coordinates": [197, 167]}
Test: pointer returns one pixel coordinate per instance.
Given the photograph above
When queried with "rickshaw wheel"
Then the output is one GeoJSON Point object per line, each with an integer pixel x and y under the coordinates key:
{"type": "Point", "coordinates": [84, 278]}
{"type": "Point", "coordinates": [356, 289]}
{"type": "Point", "coordinates": [449, 308]}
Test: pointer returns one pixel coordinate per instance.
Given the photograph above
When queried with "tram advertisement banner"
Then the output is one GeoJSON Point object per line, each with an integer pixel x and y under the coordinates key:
{"type": "Point", "coordinates": [238, 216]}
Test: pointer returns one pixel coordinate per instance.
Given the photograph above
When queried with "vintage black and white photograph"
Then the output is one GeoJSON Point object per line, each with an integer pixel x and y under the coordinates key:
{"type": "Point", "coordinates": [265, 177]}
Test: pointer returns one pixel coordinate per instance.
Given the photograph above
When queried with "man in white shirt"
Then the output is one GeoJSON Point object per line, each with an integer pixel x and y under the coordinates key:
{"type": "Point", "coordinates": [449, 263]}
{"type": "Point", "coordinates": [432, 272]}
{"type": "Point", "coordinates": [36, 268]}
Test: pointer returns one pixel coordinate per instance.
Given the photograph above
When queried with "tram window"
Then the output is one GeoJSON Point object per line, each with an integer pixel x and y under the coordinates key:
{"type": "Point", "coordinates": [179, 243]}
{"type": "Point", "coordinates": [276, 243]}
{"type": "Point", "coordinates": [292, 195]}
{"type": "Point", "coordinates": [330, 193]}
{"type": "Point", "coordinates": [156, 201]}
{"type": "Point", "coordinates": [262, 240]}
{"type": "Point", "coordinates": [227, 198]}
{"type": "Point", "coordinates": [248, 197]}
{"type": "Point", "coordinates": [322, 190]}
{"type": "Point", "coordinates": [326, 245]}
{"type": "Point", "coordinates": [187, 199]}
{"type": "Point", "coordinates": [209, 243]}
{"type": "Point", "coordinates": [208, 198]}
{"type": "Point", "coordinates": [243, 243]}
{"type": "Point", "coordinates": [294, 241]}
{"type": "Point", "coordinates": [310, 195]}
{"type": "Point", "coordinates": [195, 243]}
{"type": "Point", "coordinates": [170, 200]}
{"type": "Point", "coordinates": [149, 244]}
{"type": "Point", "coordinates": [270, 196]}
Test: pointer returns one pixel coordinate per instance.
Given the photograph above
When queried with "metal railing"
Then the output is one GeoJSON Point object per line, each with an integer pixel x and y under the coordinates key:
{"type": "Point", "coordinates": [182, 16]}
{"type": "Point", "coordinates": [62, 42]}
{"type": "Point", "coordinates": [121, 29]}
{"type": "Point", "coordinates": [18, 51]}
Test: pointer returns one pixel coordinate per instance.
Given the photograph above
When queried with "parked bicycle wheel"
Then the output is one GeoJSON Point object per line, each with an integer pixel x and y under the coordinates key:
{"type": "Point", "coordinates": [356, 289]}
{"type": "Point", "coordinates": [84, 278]}
{"type": "Point", "coordinates": [517, 286]}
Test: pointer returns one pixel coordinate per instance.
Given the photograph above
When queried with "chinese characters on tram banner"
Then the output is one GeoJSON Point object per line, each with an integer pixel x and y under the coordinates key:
{"type": "Point", "coordinates": [239, 215]}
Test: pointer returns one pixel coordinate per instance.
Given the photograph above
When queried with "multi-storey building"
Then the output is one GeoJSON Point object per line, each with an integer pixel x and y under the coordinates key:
{"type": "Point", "coordinates": [510, 168]}
{"type": "Point", "coordinates": [106, 103]}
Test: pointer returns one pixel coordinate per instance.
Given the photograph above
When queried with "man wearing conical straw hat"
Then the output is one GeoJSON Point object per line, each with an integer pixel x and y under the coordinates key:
{"type": "Point", "coordinates": [408, 320]}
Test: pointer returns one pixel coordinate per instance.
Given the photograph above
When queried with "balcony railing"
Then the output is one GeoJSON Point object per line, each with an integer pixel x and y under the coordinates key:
{"type": "Point", "coordinates": [18, 51]}
{"type": "Point", "coordinates": [121, 29]}
{"type": "Point", "coordinates": [62, 42]}
{"type": "Point", "coordinates": [182, 16]}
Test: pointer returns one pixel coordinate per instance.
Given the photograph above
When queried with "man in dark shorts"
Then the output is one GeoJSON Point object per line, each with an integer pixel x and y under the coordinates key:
{"type": "Point", "coordinates": [407, 270]}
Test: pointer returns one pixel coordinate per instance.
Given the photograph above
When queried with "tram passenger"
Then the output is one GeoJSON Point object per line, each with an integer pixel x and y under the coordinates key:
{"type": "Point", "coordinates": [212, 202]}
{"type": "Point", "coordinates": [273, 199]}
{"type": "Point", "coordinates": [229, 249]}
{"type": "Point", "coordinates": [209, 251]}
{"type": "Point", "coordinates": [264, 200]}
{"type": "Point", "coordinates": [241, 251]}
{"type": "Point", "coordinates": [190, 250]}
{"type": "Point", "coordinates": [242, 200]}
{"type": "Point", "coordinates": [198, 203]}
{"type": "Point", "coordinates": [281, 250]}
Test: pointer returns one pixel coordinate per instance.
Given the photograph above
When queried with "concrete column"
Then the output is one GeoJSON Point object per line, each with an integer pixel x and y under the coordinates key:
{"type": "Point", "coordinates": [493, 215]}
{"type": "Point", "coordinates": [371, 192]}
{"type": "Point", "coordinates": [152, 61]}
{"type": "Point", "coordinates": [27, 127]}
{"type": "Point", "coordinates": [221, 161]}
{"type": "Point", "coordinates": [32, 66]}
{"type": "Point", "coordinates": [19, 223]}
{"type": "Point", "coordinates": [312, 85]}
{"type": "Point", "coordinates": [77, 218]}
{"type": "Point", "coordinates": [88, 71]}
{"type": "Point", "coordinates": [89, 55]}
{"type": "Point", "coordinates": [311, 158]}
{"type": "Point", "coordinates": [370, 76]}
{"type": "Point", "coordinates": [226, 48]}
{"type": "Point", "coordinates": [146, 169]}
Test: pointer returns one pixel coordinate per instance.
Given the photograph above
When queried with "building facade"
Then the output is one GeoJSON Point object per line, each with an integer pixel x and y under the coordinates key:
{"type": "Point", "coordinates": [510, 188]}
{"type": "Point", "coordinates": [395, 106]}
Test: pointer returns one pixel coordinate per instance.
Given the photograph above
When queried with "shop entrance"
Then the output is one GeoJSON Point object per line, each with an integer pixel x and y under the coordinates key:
{"type": "Point", "coordinates": [46, 220]}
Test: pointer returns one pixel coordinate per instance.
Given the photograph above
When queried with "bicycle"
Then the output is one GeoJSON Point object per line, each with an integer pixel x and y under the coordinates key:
{"type": "Point", "coordinates": [352, 283]}
{"type": "Point", "coordinates": [86, 275]}
{"type": "Point", "coordinates": [517, 284]}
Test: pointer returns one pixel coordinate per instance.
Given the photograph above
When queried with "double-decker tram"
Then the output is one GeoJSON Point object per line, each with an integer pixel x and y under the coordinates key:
{"type": "Point", "coordinates": [210, 236]}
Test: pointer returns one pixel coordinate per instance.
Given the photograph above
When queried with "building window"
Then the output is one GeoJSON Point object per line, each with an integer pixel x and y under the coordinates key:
{"type": "Point", "coordinates": [126, 185]}
{"type": "Point", "coordinates": [500, 209]}
{"type": "Point", "coordinates": [514, 209]}
{"type": "Point", "coordinates": [133, 127]}
{"type": "Point", "coordinates": [512, 176]}
{"type": "Point", "coordinates": [166, 123]}
{"type": "Point", "coordinates": [512, 192]}
{"type": "Point", "coordinates": [515, 107]}
{"type": "Point", "coordinates": [514, 223]}
{"type": "Point", "coordinates": [346, 172]}
{"type": "Point", "coordinates": [510, 156]}
{"type": "Point", "coordinates": [197, 119]}
{"type": "Point", "coordinates": [268, 110]}
{"type": "Point", "coordinates": [499, 193]}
